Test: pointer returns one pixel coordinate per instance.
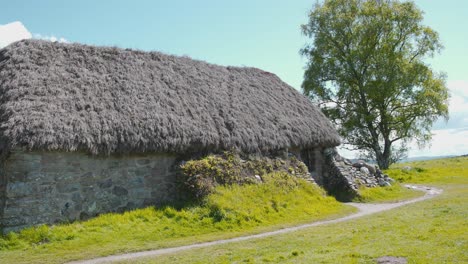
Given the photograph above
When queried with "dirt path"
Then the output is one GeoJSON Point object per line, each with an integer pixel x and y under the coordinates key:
{"type": "Point", "coordinates": [364, 209]}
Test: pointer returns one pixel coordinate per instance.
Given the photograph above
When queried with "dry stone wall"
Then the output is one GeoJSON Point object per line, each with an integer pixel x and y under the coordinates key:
{"type": "Point", "coordinates": [342, 178]}
{"type": "Point", "coordinates": [51, 187]}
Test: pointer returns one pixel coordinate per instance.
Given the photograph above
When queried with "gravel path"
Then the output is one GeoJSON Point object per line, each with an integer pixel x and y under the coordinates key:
{"type": "Point", "coordinates": [364, 209]}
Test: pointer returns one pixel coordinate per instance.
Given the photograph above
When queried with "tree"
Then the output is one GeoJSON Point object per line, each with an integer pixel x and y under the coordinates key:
{"type": "Point", "coordinates": [366, 70]}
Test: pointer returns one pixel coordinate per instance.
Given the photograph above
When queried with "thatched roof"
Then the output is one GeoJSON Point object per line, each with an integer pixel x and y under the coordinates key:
{"type": "Point", "coordinates": [102, 100]}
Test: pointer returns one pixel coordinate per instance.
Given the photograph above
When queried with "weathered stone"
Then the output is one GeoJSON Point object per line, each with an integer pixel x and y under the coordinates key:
{"type": "Point", "coordinates": [153, 180]}
{"type": "Point", "coordinates": [391, 260]}
{"type": "Point", "coordinates": [119, 191]}
{"type": "Point", "coordinates": [406, 168]}
{"type": "Point", "coordinates": [159, 170]}
{"type": "Point", "coordinates": [343, 180]}
{"type": "Point", "coordinates": [105, 183]}
{"type": "Point", "coordinates": [50, 187]}
{"type": "Point", "coordinates": [358, 165]}
{"type": "Point", "coordinates": [364, 170]}
{"type": "Point", "coordinates": [136, 182]}
{"type": "Point", "coordinates": [371, 168]}
{"type": "Point", "coordinates": [76, 197]}
{"type": "Point", "coordinates": [84, 216]}
{"type": "Point", "coordinates": [143, 162]}
{"type": "Point", "coordinates": [383, 183]}
{"type": "Point", "coordinates": [18, 189]}
{"type": "Point", "coordinates": [140, 193]}
{"type": "Point", "coordinates": [116, 203]}
{"type": "Point", "coordinates": [68, 187]}
{"type": "Point", "coordinates": [143, 171]}
{"type": "Point", "coordinates": [88, 179]}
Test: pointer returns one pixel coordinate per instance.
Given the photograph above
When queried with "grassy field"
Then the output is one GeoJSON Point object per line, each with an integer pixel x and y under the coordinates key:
{"type": "Point", "coordinates": [450, 171]}
{"type": "Point", "coordinates": [231, 211]}
{"type": "Point", "coordinates": [433, 231]}
{"type": "Point", "coordinates": [394, 193]}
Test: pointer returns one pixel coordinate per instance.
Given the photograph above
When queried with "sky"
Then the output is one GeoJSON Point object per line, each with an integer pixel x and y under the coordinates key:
{"type": "Point", "coordinates": [257, 33]}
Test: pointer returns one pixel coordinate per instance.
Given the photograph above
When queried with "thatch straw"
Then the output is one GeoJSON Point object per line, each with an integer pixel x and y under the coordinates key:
{"type": "Point", "coordinates": [103, 100]}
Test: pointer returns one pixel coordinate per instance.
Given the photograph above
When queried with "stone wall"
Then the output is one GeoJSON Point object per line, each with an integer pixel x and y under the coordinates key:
{"type": "Point", "coordinates": [343, 179]}
{"type": "Point", "coordinates": [337, 181]}
{"type": "Point", "coordinates": [2, 193]}
{"type": "Point", "coordinates": [51, 187]}
{"type": "Point", "coordinates": [313, 159]}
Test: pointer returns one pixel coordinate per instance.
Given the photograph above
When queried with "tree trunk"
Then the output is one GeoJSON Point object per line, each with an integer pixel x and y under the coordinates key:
{"type": "Point", "coordinates": [383, 162]}
{"type": "Point", "coordinates": [383, 159]}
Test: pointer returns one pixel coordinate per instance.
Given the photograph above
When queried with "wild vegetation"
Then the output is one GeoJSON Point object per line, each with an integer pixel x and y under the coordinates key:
{"type": "Point", "coordinates": [201, 176]}
{"type": "Point", "coordinates": [229, 211]}
{"type": "Point", "coordinates": [433, 231]}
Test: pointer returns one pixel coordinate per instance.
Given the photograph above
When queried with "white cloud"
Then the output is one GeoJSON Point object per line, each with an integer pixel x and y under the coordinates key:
{"type": "Point", "coordinates": [350, 154]}
{"type": "Point", "coordinates": [458, 87]}
{"type": "Point", "coordinates": [444, 142]}
{"type": "Point", "coordinates": [16, 31]}
{"type": "Point", "coordinates": [51, 38]}
{"type": "Point", "coordinates": [459, 97]}
{"type": "Point", "coordinates": [12, 32]}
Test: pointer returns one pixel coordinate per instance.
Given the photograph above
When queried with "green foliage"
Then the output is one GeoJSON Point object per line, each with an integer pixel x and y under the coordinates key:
{"type": "Point", "coordinates": [393, 193]}
{"type": "Point", "coordinates": [231, 210]}
{"type": "Point", "coordinates": [366, 69]}
{"type": "Point", "coordinates": [202, 176]}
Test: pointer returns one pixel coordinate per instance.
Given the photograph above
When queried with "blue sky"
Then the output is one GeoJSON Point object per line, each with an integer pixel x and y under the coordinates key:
{"type": "Point", "coordinates": [258, 33]}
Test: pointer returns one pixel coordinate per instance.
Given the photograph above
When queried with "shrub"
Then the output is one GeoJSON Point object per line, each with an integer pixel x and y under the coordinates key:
{"type": "Point", "coordinates": [202, 176]}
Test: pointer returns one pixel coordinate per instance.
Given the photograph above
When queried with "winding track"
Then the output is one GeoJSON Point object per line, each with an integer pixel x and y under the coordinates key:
{"type": "Point", "coordinates": [364, 209]}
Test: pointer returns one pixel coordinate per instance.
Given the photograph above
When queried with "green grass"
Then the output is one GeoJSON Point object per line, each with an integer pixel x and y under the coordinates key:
{"type": "Point", "coordinates": [451, 170]}
{"type": "Point", "coordinates": [432, 231]}
{"type": "Point", "coordinates": [394, 193]}
{"type": "Point", "coordinates": [231, 211]}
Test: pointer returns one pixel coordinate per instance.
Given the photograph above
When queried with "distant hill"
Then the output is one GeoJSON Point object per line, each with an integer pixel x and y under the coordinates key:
{"type": "Point", "coordinates": [420, 158]}
{"type": "Point", "coordinates": [425, 158]}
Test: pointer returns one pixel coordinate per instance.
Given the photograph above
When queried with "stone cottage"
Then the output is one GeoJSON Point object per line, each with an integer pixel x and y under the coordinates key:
{"type": "Point", "coordinates": [86, 130]}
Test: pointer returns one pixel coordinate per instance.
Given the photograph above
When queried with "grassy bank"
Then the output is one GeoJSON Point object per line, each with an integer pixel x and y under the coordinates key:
{"type": "Point", "coordinates": [433, 231]}
{"type": "Point", "coordinates": [228, 212]}
{"type": "Point", "coordinates": [394, 193]}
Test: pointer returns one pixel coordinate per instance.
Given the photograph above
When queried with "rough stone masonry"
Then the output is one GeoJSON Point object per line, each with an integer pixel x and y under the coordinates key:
{"type": "Point", "coordinates": [343, 178]}
{"type": "Point", "coordinates": [52, 187]}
